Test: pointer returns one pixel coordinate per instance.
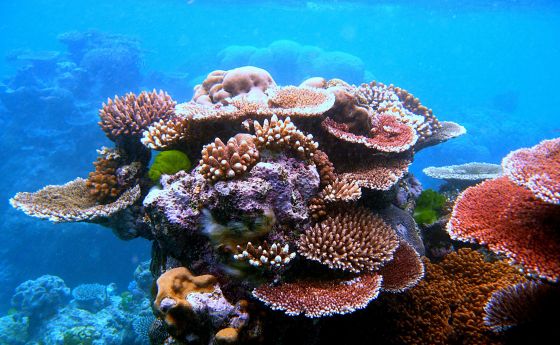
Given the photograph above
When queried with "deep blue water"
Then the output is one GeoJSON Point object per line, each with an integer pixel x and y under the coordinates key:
{"type": "Point", "coordinates": [491, 66]}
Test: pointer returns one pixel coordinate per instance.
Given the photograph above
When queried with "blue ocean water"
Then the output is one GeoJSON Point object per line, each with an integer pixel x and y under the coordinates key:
{"type": "Point", "coordinates": [491, 66]}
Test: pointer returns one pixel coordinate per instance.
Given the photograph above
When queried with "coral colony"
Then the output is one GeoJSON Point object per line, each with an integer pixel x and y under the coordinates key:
{"type": "Point", "coordinates": [294, 206]}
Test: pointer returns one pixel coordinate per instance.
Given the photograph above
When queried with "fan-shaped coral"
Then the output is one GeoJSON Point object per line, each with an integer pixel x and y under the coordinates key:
{"type": "Point", "coordinates": [316, 298]}
{"type": "Point", "coordinates": [354, 240]}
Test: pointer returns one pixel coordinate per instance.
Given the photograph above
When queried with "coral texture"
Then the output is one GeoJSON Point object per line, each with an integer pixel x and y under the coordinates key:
{"type": "Point", "coordinates": [102, 182]}
{"type": "Point", "coordinates": [469, 171]}
{"type": "Point", "coordinates": [131, 115]}
{"type": "Point", "coordinates": [377, 172]}
{"type": "Point", "coordinates": [275, 256]}
{"type": "Point", "coordinates": [71, 202]}
{"type": "Point", "coordinates": [225, 161]}
{"type": "Point", "coordinates": [321, 298]}
{"type": "Point", "coordinates": [515, 305]}
{"type": "Point", "coordinates": [512, 221]}
{"type": "Point", "coordinates": [341, 191]}
{"type": "Point", "coordinates": [448, 305]}
{"type": "Point", "coordinates": [353, 240]}
{"type": "Point", "coordinates": [404, 271]}
{"type": "Point", "coordinates": [537, 168]}
{"type": "Point", "coordinates": [42, 297]}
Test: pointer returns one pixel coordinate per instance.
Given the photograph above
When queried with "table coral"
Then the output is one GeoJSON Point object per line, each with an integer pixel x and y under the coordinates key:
{"type": "Point", "coordinates": [404, 271]}
{"type": "Point", "coordinates": [317, 298]}
{"type": "Point", "coordinates": [537, 168]}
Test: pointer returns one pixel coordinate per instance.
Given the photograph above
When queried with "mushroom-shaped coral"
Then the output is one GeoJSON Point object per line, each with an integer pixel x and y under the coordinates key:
{"type": "Point", "coordinates": [318, 298]}
{"type": "Point", "coordinates": [404, 271]}
{"type": "Point", "coordinates": [71, 202]}
{"type": "Point", "coordinates": [353, 240]}
{"type": "Point", "coordinates": [512, 221]}
{"type": "Point", "coordinates": [225, 161]}
{"type": "Point", "coordinates": [130, 115]}
{"type": "Point", "coordinates": [278, 134]}
{"type": "Point", "coordinates": [537, 168]}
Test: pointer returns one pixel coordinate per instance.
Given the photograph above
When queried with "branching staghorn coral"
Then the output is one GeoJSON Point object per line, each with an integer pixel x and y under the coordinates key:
{"type": "Point", "coordinates": [225, 161]}
{"type": "Point", "coordinates": [353, 240]}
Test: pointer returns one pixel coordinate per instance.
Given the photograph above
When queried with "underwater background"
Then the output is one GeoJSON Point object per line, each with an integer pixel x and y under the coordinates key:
{"type": "Point", "coordinates": [491, 66]}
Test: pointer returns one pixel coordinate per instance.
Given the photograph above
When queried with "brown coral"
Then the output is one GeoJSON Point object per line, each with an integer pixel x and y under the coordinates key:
{"type": "Point", "coordinates": [353, 240]}
{"type": "Point", "coordinates": [276, 256]}
{"type": "Point", "coordinates": [404, 271]}
{"type": "Point", "coordinates": [318, 298]}
{"type": "Point", "coordinates": [71, 202]}
{"type": "Point", "coordinates": [324, 167]}
{"type": "Point", "coordinates": [279, 134]}
{"type": "Point", "coordinates": [130, 115]}
{"type": "Point", "coordinates": [225, 161]}
{"type": "Point", "coordinates": [102, 182]}
{"type": "Point", "coordinates": [299, 101]}
{"type": "Point", "coordinates": [173, 288]}
{"type": "Point", "coordinates": [447, 306]}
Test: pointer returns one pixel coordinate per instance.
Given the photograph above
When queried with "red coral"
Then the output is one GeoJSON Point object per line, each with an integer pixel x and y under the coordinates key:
{"type": "Point", "coordinates": [404, 271]}
{"type": "Point", "coordinates": [512, 221]}
{"type": "Point", "coordinates": [537, 168]}
{"type": "Point", "coordinates": [319, 298]}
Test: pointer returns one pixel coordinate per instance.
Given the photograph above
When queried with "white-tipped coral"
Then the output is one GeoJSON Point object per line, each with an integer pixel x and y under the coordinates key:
{"type": "Point", "coordinates": [275, 256]}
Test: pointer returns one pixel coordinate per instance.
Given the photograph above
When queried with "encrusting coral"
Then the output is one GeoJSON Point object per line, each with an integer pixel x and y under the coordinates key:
{"type": "Point", "coordinates": [447, 306]}
{"type": "Point", "coordinates": [320, 223]}
{"type": "Point", "coordinates": [511, 219]}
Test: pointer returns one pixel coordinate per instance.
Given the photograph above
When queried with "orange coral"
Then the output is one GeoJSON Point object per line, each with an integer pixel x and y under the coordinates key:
{"type": "Point", "coordinates": [324, 167]}
{"type": "Point", "coordinates": [376, 172]}
{"type": "Point", "coordinates": [173, 287]}
{"type": "Point", "coordinates": [448, 305]}
{"type": "Point", "coordinates": [510, 220]}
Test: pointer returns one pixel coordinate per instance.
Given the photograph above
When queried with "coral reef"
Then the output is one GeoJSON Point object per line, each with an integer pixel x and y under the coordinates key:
{"type": "Point", "coordinates": [474, 172]}
{"type": "Point", "coordinates": [324, 226]}
{"type": "Point", "coordinates": [511, 219]}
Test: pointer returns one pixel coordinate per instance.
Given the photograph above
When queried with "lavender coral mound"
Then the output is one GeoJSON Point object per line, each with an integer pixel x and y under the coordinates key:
{"type": "Point", "coordinates": [42, 297]}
